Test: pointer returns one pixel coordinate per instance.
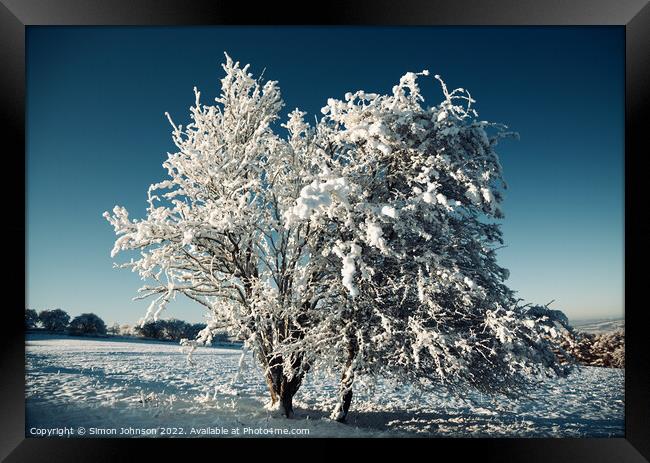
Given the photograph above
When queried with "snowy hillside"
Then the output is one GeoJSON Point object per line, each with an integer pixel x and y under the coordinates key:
{"type": "Point", "coordinates": [113, 384]}
{"type": "Point", "coordinates": [598, 326]}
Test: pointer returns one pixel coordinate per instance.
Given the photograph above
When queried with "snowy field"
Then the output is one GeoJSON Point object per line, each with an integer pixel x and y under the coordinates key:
{"type": "Point", "coordinates": [598, 326]}
{"type": "Point", "coordinates": [115, 384]}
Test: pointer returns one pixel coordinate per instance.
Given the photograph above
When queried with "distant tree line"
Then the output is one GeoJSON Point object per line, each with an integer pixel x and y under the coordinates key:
{"type": "Point", "coordinates": [58, 320]}
{"type": "Point", "coordinates": [169, 330]}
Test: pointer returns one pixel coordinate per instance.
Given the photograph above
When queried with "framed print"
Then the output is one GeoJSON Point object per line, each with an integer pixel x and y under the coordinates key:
{"type": "Point", "coordinates": [405, 224]}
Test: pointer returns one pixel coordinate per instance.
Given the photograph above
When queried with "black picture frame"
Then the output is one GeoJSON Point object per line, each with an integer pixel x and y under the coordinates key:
{"type": "Point", "coordinates": [633, 15]}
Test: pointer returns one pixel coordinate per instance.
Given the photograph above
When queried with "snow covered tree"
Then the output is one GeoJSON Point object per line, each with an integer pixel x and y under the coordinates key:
{"type": "Point", "coordinates": [54, 320]}
{"type": "Point", "coordinates": [214, 231]}
{"type": "Point", "coordinates": [191, 331]}
{"type": "Point", "coordinates": [364, 245]}
{"type": "Point", "coordinates": [31, 318]}
{"type": "Point", "coordinates": [127, 330]}
{"type": "Point", "coordinates": [87, 323]}
{"type": "Point", "coordinates": [412, 195]}
{"type": "Point", "coordinates": [114, 329]}
{"type": "Point", "coordinates": [151, 329]}
{"type": "Point", "coordinates": [550, 318]}
{"type": "Point", "coordinates": [173, 329]}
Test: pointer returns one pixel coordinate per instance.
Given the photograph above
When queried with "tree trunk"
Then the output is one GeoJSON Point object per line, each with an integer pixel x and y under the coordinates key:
{"type": "Point", "coordinates": [340, 412]}
{"type": "Point", "coordinates": [281, 388]}
{"type": "Point", "coordinates": [286, 401]}
{"type": "Point", "coordinates": [269, 383]}
{"type": "Point", "coordinates": [288, 389]}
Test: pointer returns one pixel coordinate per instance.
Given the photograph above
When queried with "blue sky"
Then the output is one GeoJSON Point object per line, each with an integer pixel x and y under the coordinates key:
{"type": "Point", "coordinates": [97, 136]}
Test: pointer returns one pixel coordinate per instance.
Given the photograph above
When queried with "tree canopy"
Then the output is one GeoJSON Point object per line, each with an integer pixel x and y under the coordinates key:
{"type": "Point", "coordinates": [364, 244]}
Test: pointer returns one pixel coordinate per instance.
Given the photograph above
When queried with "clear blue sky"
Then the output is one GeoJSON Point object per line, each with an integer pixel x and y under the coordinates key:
{"type": "Point", "coordinates": [97, 136]}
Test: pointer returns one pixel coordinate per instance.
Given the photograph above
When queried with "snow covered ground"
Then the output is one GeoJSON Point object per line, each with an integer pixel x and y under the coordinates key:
{"type": "Point", "coordinates": [105, 385]}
